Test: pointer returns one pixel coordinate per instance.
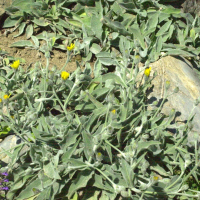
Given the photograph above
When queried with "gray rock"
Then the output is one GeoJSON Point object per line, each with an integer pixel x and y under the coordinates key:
{"type": "Point", "coordinates": [181, 74]}
{"type": "Point", "coordinates": [8, 144]}
{"type": "Point", "coordinates": [191, 6]}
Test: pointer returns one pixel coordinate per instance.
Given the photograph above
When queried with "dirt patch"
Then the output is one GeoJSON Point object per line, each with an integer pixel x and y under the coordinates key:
{"type": "Point", "coordinates": [58, 58]}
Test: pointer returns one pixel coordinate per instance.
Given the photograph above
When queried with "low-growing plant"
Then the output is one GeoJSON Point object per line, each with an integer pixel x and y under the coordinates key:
{"type": "Point", "coordinates": [84, 136]}
{"type": "Point", "coordinates": [96, 137]}
{"type": "Point", "coordinates": [153, 28]}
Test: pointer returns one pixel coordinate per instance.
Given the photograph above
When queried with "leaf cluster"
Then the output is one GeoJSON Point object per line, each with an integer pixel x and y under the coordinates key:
{"type": "Point", "coordinates": [97, 136]}
{"type": "Point", "coordinates": [153, 28]}
{"type": "Point", "coordinates": [74, 141]}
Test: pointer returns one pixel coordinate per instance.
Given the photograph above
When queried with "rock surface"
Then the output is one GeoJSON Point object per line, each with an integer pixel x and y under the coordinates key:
{"type": "Point", "coordinates": [8, 143]}
{"type": "Point", "coordinates": [191, 6]}
{"type": "Point", "coordinates": [181, 74]}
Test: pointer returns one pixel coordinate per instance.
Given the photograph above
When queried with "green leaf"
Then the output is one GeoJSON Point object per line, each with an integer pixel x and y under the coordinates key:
{"type": "Point", "coordinates": [127, 173]}
{"type": "Point", "coordinates": [96, 26]}
{"type": "Point", "coordinates": [75, 197]}
{"type": "Point", "coordinates": [85, 106]}
{"type": "Point", "coordinates": [10, 22]}
{"type": "Point", "coordinates": [19, 183]}
{"type": "Point", "coordinates": [179, 52]}
{"type": "Point", "coordinates": [160, 170]}
{"type": "Point", "coordinates": [50, 171]}
{"type": "Point", "coordinates": [164, 28]}
{"type": "Point", "coordinates": [152, 23]}
{"type": "Point", "coordinates": [21, 29]}
{"type": "Point", "coordinates": [174, 185]}
{"type": "Point", "coordinates": [145, 145]}
{"type": "Point", "coordinates": [67, 155]}
{"type": "Point", "coordinates": [99, 183]}
{"type": "Point", "coordinates": [168, 34]}
{"type": "Point", "coordinates": [74, 23]}
{"type": "Point", "coordinates": [135, 30]}
{"type": "Point", "coordinates": [63, 23]}
{"type": "Point", "coordinates": [46, 193]}
{"type": "Point", "coordinates": [163, 16]}
{"type": "Point", "coordinates": [171, 10]}
{"type": "Point", "coordinates": [28, 192]}
{"type": "Point", "coordinates": [159, 44]}
{"type": "Point", "coordinates": [116, 78]}
{"type": "Point", "coordinates": [109, 151]}
{"type": "Point", "coordinates": [93, 100]}
{"type": "Point", "coordinates": [181, 37]}
{"type": "Point", "coordinates": [116, 26]}
{"type": "Point", "coordinates": [88, 144]}
{"type": "Point", "coordinates": [91, 194]}
{"type": "Point", "coordinates": [76, 163]}
{"type": "Point", "coordinates": [192, 34]}
{"type": "Point", "coordinates": [40, 22]}
{"type": "Point", "coordinates": [17, 96]}
{"type": "Point", "coordinates": [22, 43]}
{"type": "Point", "coordinates": [29, 31]}
{"type": "Point", "coordinates": [33, 197]}
{"type": "Point", "coordinates": [95, 48]}
{"type": "Point", "coordinates": [35, 40]}
{"type": "Point", "coordinates": [80, 182]}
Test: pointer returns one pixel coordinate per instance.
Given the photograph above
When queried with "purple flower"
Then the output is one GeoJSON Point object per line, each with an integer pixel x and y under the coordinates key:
{"type": "Point", "coordinates": [5, 188]}
{"type": "Point", "coordinates": [6, 180]}
{"type": "Point", "coordinates": [5, 173]}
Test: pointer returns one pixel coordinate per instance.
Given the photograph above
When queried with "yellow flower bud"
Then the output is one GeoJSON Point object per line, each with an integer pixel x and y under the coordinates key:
{"type": "Point", "coordinates": [71, 47]}
{"type": "Point", "coordinates": [113, 111]}
{"type": "Point", "coordinates": [167, 84]}
{"type": "Point", "coordinates": [15, 64]}
{"type": "Point", "coordinates": [155, 178]}
{"type": "Point", "coordinates": [64, 75]}
{"type": "Point", "coordinates": [99, 156]}
{"type": "Point", "coordinates": [147, 71]}
{"type": "Point", "coordinates": [0, 100]}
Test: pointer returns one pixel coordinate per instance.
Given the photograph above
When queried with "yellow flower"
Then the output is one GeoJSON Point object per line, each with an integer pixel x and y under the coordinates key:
{"type": "Point", "coordinates": [15, 64]}
{"type": "Point", "coordinates": [113, 111]}
{"type": "Point", "coordinates": [6, 96]}
{"type": "Point", "coordinates": [64, 75]}
{"type": "Point", "coordinates": [71, 47]}
{"type": "Point", "coordinates": [155, 178]}
{"type": "Point", "coordinates": [99, 154]}
{"type": "Point", "coordinates": [0, 100]}
{"type": "Point", "coordinates": [147, 71]}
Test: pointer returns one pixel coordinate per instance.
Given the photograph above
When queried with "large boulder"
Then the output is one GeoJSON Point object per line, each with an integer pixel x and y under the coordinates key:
{"type": "Point", "coordinates": [181, 74]}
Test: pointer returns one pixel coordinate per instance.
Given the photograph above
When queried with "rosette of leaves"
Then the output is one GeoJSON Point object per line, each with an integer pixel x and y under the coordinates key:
{"type": "Point", "coordinates": [155, 29]}
{"type": "Point", "coordinates": [96, 137]}
{"type": "Point", "coordinates": [27, 15]}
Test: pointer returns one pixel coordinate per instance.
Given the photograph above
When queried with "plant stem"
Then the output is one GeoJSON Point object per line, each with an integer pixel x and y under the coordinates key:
{"type": "Point", "coordinates": [175, 181]}
{"type": "Point", "coordinates": [59, 101]}
{"type": "Point", "coordinates": [113, 184]}
{"type": "Point", "coordinates": [68, 59]}
{"type": "Point", "coordinates": [115, 148]}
